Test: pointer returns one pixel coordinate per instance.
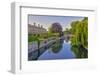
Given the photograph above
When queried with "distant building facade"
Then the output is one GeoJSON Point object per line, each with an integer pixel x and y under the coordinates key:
{"type": "Point", "coordinates": [36, 29]}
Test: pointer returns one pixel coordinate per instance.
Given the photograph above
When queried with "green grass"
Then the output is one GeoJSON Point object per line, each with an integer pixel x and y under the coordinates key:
{"type": "Point", "coordinates": [41, 37]}
{"type": "Point", "coordinates": [32, 38]}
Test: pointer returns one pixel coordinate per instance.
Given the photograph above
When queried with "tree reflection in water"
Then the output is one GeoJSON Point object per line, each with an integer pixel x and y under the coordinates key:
{"type": "Point", "coordinates": [80, 51]}
{"type": "Point", "coordinates": [57, 46]}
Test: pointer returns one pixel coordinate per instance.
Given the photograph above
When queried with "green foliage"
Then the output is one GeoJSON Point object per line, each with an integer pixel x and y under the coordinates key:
{"type": "Point", "coordinates": [56, 47]}
{"type": "Point", "coordinates": [80, 51]}
{"type": "Point", "coordinates": [32, 38]}
{"type": "Point", "coordinates": [80, 32]}
{"type": "Point", "coordinates": [51, 33]}
{"type": "Point", "coordinates": [49, 30]}
{"type": "Point", "coordinates": [55, 29]}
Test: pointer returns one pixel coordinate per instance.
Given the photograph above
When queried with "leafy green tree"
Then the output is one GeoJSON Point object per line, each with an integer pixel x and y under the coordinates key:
{"type": "Point", "coordinates": [80, 32]}
{"type": "Point", "coordinates": [55, 28]}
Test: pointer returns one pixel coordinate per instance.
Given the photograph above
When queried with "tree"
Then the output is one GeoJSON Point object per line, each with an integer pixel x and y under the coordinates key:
{"type": "Point", "coordinates": [56, 28]}
{"type": "Point", "coordinates": [80, 31]}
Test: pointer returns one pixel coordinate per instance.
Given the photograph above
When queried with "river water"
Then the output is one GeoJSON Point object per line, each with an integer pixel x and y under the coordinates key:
{"type": "Point", "coordinates": [62, 49]}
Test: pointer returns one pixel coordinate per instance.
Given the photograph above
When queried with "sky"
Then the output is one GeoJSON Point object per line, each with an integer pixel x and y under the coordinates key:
{"type": "Point", "coordinates": [47, 21]}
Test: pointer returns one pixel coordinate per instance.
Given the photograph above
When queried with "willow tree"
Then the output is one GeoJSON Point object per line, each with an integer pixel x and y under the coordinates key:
{"type": "Point", "coordinates": [80, 32]}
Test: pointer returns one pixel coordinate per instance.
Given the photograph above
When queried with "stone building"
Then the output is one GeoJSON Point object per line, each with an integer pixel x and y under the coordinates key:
{"type": "Point", "coordinates": [36, 29]}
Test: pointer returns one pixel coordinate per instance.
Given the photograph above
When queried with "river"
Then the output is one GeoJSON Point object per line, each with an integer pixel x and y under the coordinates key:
{"type": "Point", "coordinates": [62, 49]}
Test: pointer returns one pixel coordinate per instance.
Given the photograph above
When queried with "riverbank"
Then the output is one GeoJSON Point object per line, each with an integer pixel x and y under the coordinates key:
{"type": "Point", "coordinates": [34, 45]}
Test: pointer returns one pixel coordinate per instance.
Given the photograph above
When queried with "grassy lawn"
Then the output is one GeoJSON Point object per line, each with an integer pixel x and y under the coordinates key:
{"type": "Point", "coordinates": [32, 38]}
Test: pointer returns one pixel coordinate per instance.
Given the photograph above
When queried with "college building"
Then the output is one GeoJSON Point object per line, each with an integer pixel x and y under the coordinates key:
{"type": "Point", "coordinates": [36, 29]}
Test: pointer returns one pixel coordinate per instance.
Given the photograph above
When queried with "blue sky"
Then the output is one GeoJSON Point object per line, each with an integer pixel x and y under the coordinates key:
{"type": "Point", "coordinates": [46, 21]}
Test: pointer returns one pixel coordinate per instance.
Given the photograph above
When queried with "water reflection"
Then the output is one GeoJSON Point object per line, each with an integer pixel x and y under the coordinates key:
{"type": "Point", "coordinates": [80, 51]}
{"type": "Point", "coordinates": [61, 49]}
{"type": "Point", "coordinates": [57, 46]}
